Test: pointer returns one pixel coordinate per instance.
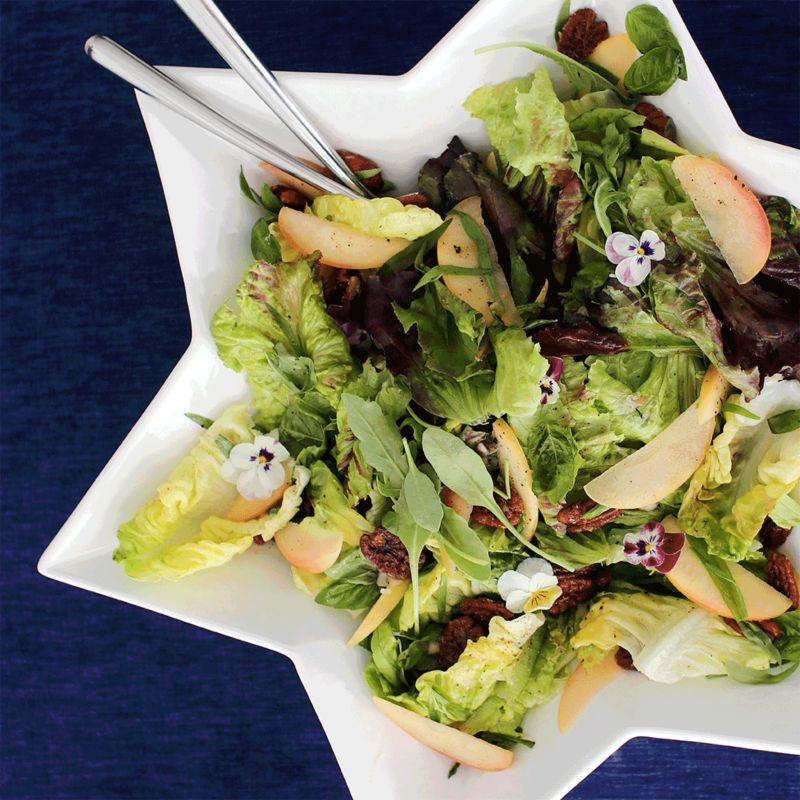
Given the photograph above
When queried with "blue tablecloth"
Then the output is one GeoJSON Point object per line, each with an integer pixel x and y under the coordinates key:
{"type": "Point", "coordinates": [104, 700]}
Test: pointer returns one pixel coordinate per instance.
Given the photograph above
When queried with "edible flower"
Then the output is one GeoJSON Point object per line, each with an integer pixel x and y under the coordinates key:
{"type": "Point", "coordinates": [633, 256]}
{"type": "Point", "coordinates": [257, 467]}
{"type": "Point", "coordinates": [530, 587]}
{"type": "Point", "coordinates": [652, 547]}
{"type": "Point", "coordinates": [549, 383]}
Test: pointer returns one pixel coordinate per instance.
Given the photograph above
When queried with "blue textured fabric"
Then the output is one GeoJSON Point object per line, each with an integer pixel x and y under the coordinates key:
{"type": "Point", "coordinates": [104, 700]}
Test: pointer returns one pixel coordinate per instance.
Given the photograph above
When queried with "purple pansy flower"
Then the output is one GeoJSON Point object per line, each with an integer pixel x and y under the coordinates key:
{"type": "Point", "coordinates": [549, 383]}
{"type": "Point", "coordinates": [633, 256]}
{"type": "Point", "coordinates": [652, 547]}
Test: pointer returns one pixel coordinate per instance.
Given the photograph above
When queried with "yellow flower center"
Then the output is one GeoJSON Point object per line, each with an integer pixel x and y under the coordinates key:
{"type": "Point", "coordinates": [640, 251]}
{"type": "Point", "coordinates": [262, 459]}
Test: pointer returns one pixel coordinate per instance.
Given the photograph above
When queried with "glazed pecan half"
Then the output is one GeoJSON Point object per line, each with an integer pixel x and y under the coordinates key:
{"type": "Point", "coordinates": [624, 659]}
{"type": "Point", "coordinates": [579, 586]}
{"type": "Point", "coordinates": [581, 33]}
{"type": "Point", "coordinates": [385, 550]}
{"type": "Point", "coordinates": [573, 516]}
{"type": "Point", "coordinates": [290, 197]}
{"type": "Point", "coordinates": [511, 507]}
{"type": "Point", "coordinates": [656, 120]}
{"type": "Point", "coordinates": [484, 608]}
{"type": "Point", "coordinates": [773, 536]}
{"type": "Point", "coordinates": [780, 576]}
{"type": "Point", "coordinates": [454, 639]}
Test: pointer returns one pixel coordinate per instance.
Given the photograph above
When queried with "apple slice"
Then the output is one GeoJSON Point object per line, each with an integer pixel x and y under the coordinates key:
{"type": "Point", "coordinates": [243, 510]}
{"type": "Point", "coordinates": [456, 249]}
{"type": "Point", "coordinates": [659, 468]}
{"type": "Point", "coordinates": [384, 606]}
{"type": "Point", "coordinates": [582, 686]}
{"type": "Point", "coordinates": [690, 577]}
{"type": "Point", "coordinates": [309, 546]}
{"type": "Point", "coordinates": [615, 54]}
{"type": "Point", "coordinates": [295, 183]}
{"type": "Point", "coordinates": [511, 455]}
{"type": "Point", "coordinates": [734, 217]}
{"type": "Point", "coordinates": [456, 745]}
{"type": "Point", "coordinates": [340, 245]}
{"type": "Point", "coordinates": [713, 391]}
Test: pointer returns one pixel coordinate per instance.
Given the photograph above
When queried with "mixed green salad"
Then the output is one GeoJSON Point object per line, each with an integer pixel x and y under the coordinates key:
{"type": "Point", "coordinates": [534, 424]}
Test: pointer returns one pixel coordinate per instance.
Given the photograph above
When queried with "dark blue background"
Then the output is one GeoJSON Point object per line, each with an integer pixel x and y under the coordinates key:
{"type": "Point", "coordinates": [104, 700]}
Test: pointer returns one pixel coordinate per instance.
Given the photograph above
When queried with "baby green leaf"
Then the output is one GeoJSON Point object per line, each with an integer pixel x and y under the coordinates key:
{"type": "Point", "coordinates": [420, 497]}
{"type": "Point", "coordinates": [464, 546]}
{"type": "Point", "coordinates": [786, 422]}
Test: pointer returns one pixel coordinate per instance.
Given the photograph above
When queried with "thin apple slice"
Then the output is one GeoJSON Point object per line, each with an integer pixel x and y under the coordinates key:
{"type": "Point", "coordinates": [659, 468]}
{"type": "Point", "coordinates": [456, 745]}
{"type": "Point", "coordinates": [243, 510]}
{"type": "Point", "coordinates": [713, 391]}
{"type": "Point", "coordinates": [455, 248]}
{"type": "Point", "coordinates": [294, 183]}
{"type": "Point", "coordinates": [339, 245]}
{"type": "Point", "coordinates": [582, 686]}
{"type": "Point", "coordinates": [384, 605]}
{"type": "Point", "coordinates": [511, 455]}
{"type": "Point", "coordinates": [690, 577]}
{"type": "Point", "coordinates": [615, 54]}
{"type": "Point", "coordinates": [734, 217]}
{"type": "Point", "coordinates": [309, 546]}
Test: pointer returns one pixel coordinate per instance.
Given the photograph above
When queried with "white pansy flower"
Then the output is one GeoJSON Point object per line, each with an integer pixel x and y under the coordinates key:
{"type": "Point", "coordinates": [633, 256]}
{"type": "Point", "coordinates": [530, 587]}
{"type": "Point", "coordinates": [257, 468]}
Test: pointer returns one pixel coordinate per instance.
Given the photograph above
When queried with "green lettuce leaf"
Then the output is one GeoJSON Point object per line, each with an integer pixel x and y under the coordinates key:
{"type": "Point", "coordinates": [182, 529]}
{"type": "Point", "coordinates": [332, 509]}
{"type": "Point", "coordinates": [747, 470]}
{"type": "Point", "coordinates": [281, 306]}
{"type": "Point", "coordinates": [669, 638]}
{"type": "Point", "coordinates": [380, 216]}
{"type": "Point", "coordinates": [525, 122]}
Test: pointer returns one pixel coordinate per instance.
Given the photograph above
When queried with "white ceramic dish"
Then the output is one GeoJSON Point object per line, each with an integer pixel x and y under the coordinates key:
{"type": "Point", "coordinates": [399, 121]}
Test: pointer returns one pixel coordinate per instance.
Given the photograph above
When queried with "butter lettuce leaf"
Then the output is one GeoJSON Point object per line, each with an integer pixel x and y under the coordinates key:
{"type": "Point", "coordinates": [669, 638]}
{"type": "Point", "coordinates": [746, 472]}
{"type": "Point", "coordinates": [182, 529]}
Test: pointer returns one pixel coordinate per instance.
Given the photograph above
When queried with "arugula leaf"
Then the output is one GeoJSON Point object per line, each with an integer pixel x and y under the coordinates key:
{"type": "Point", "coordinates": [203, 422]}
{"type": "Point", "coordinates": [415, 252]}
{"type": "Point", "coordinates": [464, 546]}
{"type": "Point", "coordinates": [380, 440]}
{"type": "Point", "coordinates": [403, 525]}
{"type": "Point", "coordinates": [786, 422]}
{"type": "Point", "coordinates": [421, 497]}
{"type": "Point", "coordinates": [605, 198]}
{"type": "Point", "coordinates": [735, 408]}
{"type": "Point", "coordinates": [263, 244]}
{"type": "Point", "coordinates": [354, 585]}
{"type": "Point", "coordinates": [720, 573]}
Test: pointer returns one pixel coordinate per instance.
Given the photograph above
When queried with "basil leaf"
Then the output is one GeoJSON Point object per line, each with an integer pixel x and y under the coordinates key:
{"type": "Point", "coordinates": [735, 408]}
{"type": "Point", "coordinates": [412, 255]}
{"type": "Point", "coordinates": [553, 456]}
{"type": "Point", "coordinates": [464, 546]}
{"type": "Point", "coordinates": [648, 29]}
{"type": "Point", "coordinates": [354, 585]}
{"type": "Point", "coordinates": [263, 244]}
{"type": "Point", "coordinates": [267, 199]}
{"type": "Point", "coordinates": [380, 440]}
{"type": "Point", "coordinates": [720, 573]}
{"type": "Point", "coordinates": [786, 422]}
{"type": "Point", "coordinates": [561, 19]}
{"type": "Point", "coordinates": [654, 72]}
{"type": "Point", "coordinates": [270, 200]}
{"type": "Point", "coordinates": [203, 422]}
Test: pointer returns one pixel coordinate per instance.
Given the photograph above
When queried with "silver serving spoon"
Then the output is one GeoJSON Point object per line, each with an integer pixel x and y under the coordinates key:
{"type": "Point", "coordinates": [222, 36]}
{"type": "Point", "coordinates": [170, 93]}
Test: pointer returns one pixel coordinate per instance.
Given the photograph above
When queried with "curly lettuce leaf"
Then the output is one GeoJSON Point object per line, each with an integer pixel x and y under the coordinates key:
{"type": "Point", "coordinates": [746, 472]}
{"type": "Point", "coordinates": [379, 216]}
{"type": "Point", "coordinates": [183, 529]}
{"type": "Point", "coordinates": [669, 638]}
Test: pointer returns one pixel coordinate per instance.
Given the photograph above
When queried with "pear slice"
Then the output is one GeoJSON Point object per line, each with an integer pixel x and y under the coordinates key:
{"type": "Point", "coordinates": [456, 745]}
{"type": "Point", "coordinates": [615, 55]}
{"type": "Point", "coordinates": [339, 245]}
{"type": "Point", "coordinates": [384, 605]}
{"type": "Point", "coordinates": [713, 391]}
{"type": "Point", "coordinates": [510, 454]}
{"type": "Point", "coordinates": [243, 510]}
{"type": "Point", "coordinates": [456, 249]}
{"type": "Point", "coordinates": [295, 183]}
{"type": "Point", "coordinates": [582, 686]}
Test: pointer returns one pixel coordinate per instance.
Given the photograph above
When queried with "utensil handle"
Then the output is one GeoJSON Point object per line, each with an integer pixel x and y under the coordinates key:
{"type": "Point", "coordinates": [222, 36]}
{"type": "Point", "coordinates": [156, 84]}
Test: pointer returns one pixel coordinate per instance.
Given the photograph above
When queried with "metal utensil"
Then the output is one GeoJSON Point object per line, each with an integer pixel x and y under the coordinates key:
{"type": "Point", "coordinates": [222, 36]}
{"type": "Point", "coordinates": [156, 84]}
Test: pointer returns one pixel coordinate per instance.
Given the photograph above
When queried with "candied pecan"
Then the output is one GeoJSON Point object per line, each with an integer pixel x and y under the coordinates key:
{"type": "Point", "coordinates": [484, 608]}
{"type": "Point", "coordinates": [624, 659]}
{"type": "Point", "coordinates": [656, 120]}
{"type": "Point", "coordinates": [454, 639]}
{"type": "Point", "coordinates": [581, 33]}
{"type": "Point", "coordinates": [415, 199]}
{"type": "Point", "coordinates": [770, 627]}
{"type": "Point", "coordinates": [780, 576]}
{"type": "Point", "coordinates": [290, 197]}
{"type": "Point", "coordinates": [772, 535]}
{"type": "Point", "coordinates": [511, 507]}
{"type": "Point", "coordinates": [577, 587]}
{"type": "Point", "coordinates": [573, 516]}
{"type": "Point", "coordinates": [577, 340]}
{"type": "Point", "coordinates": [359, 163]}
{"type": "Point", "coordinates": [258, 539]}
{"type": "Point", "coordinates": [385, 550]}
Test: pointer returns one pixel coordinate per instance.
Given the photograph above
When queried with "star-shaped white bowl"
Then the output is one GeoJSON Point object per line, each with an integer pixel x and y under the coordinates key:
{"type": "Point", "coordinates": [399, 121]}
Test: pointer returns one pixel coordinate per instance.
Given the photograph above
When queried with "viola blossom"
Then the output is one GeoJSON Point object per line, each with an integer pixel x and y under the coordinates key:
{"type": "Point", "coordinates": [633, 256]}
{"type": "Point", "coordinates": [257, 468]}
{"type": "Point", "coordinates": [652, 547]}
{"type": "Point", "coordinates": [530, 587]}
{"type": "Point", "coordinates": [549, 383]}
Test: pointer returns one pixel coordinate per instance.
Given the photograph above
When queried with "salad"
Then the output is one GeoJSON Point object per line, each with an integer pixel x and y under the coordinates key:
{"type": "Point", "coordinates": [533, 425]}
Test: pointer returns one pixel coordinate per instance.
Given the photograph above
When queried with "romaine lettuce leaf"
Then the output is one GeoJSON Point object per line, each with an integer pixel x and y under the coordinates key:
{"type": "Point", "coordinates": [747, 470]}
{"type": "Point", "coordinates": [669, 638]}
{"type": "Point", "coordinates": [183, 529]}
{"type": "Point", "coordinates": [380, 216]}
